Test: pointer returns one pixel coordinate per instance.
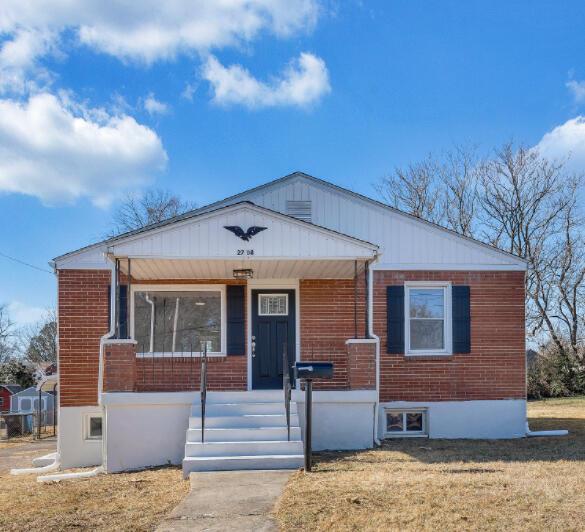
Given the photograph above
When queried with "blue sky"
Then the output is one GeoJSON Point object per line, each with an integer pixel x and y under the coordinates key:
{"type": "Point", "coordinates": [207, 102]}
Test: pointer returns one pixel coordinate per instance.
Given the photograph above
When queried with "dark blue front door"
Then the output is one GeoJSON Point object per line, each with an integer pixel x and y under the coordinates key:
{"type": "Point", "coordinates": [273, 327]}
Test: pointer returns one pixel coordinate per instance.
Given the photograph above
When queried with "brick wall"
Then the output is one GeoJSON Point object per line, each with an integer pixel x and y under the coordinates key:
{"type": "Point", "coordinates": [495, 368]}
{"type": "Point", "coordinates": [83, 320]}
{"type": "Point", "coordinates": [327, 321]}
{"type": "Point", "coordinates": [362, 365]}
{"type": "Point", "coordinates": [120, 367]}
{"type": "Point", "coordinates": [157, 374]}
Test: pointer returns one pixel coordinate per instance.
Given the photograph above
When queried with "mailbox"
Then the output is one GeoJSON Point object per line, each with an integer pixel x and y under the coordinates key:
{"type": "Point", "coordinates": [309, 371]}
{"type": "Point", "coordinates": [314, 370]}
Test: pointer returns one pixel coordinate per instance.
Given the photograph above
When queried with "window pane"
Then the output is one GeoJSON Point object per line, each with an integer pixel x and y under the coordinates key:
{"type": "Point", "coordinates": [273, 304]}
{"type": "Point", "coordinates": [95, 427]}
{"type": "Point", "coordinates": [25, 404]}
{"type": "Point", "coordinates": [394, 422]}
{"type": "Point", "coordinates": [426, 334]}
{"type": "Point", "coordinates": [414, 421]}
{"type": "Point", "coordinates": [180, 321]}
{"type": "Point", "coordinates": [426, 302]}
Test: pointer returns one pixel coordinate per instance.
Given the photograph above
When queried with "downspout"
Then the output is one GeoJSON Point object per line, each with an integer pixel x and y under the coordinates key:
{"type": "Point", "coordinates": [103, 341]}
{"type": "Point", "coordinates": [377, 338]}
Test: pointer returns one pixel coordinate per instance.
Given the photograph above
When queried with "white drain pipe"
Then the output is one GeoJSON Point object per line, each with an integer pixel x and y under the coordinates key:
{"type": "Point", "coordinates": [377, 338]}
{"type": "Point", "coordinates": [538, 433]}
{"type": "Point", "coordinates": [36, 470]}
{"type": "Point", "coordinates": [71, 476]}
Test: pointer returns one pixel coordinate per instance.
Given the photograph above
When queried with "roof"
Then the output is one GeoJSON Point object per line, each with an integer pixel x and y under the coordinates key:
{"type": "Point", "coordinates": [294, 175]}
{"type": "Point", "coordinates": [12, 388]}
{"type": "Point", "coordinates": [31, 391]}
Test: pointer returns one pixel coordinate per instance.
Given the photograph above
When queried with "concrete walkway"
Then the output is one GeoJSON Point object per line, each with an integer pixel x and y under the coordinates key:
{"type": "Point", "coordinates": [228, 500]}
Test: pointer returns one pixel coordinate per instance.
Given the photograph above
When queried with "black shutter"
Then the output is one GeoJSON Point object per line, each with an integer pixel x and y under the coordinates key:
{"type": "Point", "coordinates": [395, 317]}
{"type": "Point", "coordinates": [461, 319]}
{"type": "Point", "coordinates": [123, 310]}
{"type": "Point", "coordinates": [236, 334]}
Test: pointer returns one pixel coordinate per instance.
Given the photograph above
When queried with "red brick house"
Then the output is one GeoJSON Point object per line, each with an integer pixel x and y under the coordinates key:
{"type": "Point", "coordinates": [425, 329]}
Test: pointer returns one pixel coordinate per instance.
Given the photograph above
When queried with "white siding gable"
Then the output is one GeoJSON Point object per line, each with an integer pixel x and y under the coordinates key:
{"type": "Point", "coordinates": [404, 241]}
{"type": "Point", "coordinates": [205, 237]}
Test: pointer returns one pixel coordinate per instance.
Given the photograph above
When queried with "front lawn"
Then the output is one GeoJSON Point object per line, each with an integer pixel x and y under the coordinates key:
{"type": "Point", "coordinates": [126, 501]}
{"type": "Point", "coordinates": [416, 484]}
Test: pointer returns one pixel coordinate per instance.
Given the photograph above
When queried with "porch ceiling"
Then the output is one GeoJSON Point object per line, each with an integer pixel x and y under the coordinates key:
{"type": "Point", "coordinates": [151, 269]}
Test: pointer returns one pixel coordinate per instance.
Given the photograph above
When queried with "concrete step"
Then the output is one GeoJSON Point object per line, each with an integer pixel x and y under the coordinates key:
{"type": "Point", "coordinates": [236, 409]}
{"type": "Point", "coordinates": [252, 396]}
{"type": "Point", "coordinates": [243, 448]}
{"type": "Point", "coordinates": [235, 463]}
{"type": "Point", "coordinates": [244, 434]}
{"type": "Point", "coordinates": [246, 420]}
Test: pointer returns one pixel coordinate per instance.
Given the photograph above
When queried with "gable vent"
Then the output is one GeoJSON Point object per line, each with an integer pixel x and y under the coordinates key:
{"type": "Point", "coordinates": [299, 209]}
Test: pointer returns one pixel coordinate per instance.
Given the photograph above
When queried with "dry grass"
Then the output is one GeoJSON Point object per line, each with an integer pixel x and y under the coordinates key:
{"type": "Point", "coordinates": [128, 501]}
{"type": "Point", "coordinates": [528, 484]}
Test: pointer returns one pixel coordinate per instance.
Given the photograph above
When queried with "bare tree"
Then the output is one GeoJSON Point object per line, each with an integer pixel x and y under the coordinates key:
{"type": "Point", "coordinates": [151, 207]}
{"type": "Point", "coordinates": [528, 208]}
{"type": "Point", "coordinates": [7, 335]}
{"type": "Point", "coordinates": [39, 341]}
{"type": "Point", "coordinates": [458, 176]}
{"type": "Point", "coordinates": [414, 189]}
{"type": "Point", "coordinates": [441, 189]}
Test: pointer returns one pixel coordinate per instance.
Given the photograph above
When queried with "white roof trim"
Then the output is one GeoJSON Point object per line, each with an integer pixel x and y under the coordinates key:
{"type": "Point", "coordinates": [244, 206]}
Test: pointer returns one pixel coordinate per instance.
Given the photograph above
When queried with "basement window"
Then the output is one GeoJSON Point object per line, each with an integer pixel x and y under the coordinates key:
{"type": "Point", "coordinates": [299, 209]}
{"type": "Point", "coordinates": [93, 429]}
{"type": "Point", "coordinates": [406, 423]}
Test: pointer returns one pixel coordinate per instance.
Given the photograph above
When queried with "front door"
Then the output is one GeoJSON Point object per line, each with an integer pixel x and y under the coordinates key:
{"type": "Point", "coordinates": [273, 327]}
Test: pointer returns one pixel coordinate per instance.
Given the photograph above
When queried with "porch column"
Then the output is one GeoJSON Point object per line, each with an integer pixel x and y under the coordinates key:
{"type": "Point", "coordinates": [120, 366]}
{"type": "Point", "coordinates": [361, 354]}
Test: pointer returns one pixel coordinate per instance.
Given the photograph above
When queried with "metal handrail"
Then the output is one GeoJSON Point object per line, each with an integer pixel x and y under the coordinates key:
{"type": "Point", "coordinates": [203, 389]}
{"type": "Point", "coordinates": [286, 386]}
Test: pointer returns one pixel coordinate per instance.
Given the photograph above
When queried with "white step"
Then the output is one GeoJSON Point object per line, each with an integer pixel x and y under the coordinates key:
{"type": "Point", "coordinates": [253, 396]}
{"type": "Point", "coordinates": [243, 434]}
{"type": "Point", "coordinates": [235, 463]}
{"type": "Point", "coordinates": [236, 409]}
{"type": "Point", "coordinates": [247, 420]}
{"type": "Point", "coordinates": [243, 448]}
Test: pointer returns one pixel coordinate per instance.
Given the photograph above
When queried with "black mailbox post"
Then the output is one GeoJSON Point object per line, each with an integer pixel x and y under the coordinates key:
{"type": "Point", "coordinates": [308, 371]}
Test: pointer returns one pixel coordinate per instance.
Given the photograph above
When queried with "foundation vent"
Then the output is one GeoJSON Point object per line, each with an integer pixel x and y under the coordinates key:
{"type": "Point", "coordinates": [299, 209]}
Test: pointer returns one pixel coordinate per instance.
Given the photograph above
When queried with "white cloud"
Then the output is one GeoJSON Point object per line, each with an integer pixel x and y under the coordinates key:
{"type": "Point", "coordinates": [60, 150]}
{"type": "Point", "coordinates": [577, 89]}
{"type": "Point", "coordinates": [155, 107]}
{"type": "Point", "coordinates": [144, 31]}
{"type": "Point", "coordinates": [302, 83]}
{"type": "Point", "coordinates": [566, 143]}
{"type": "Point", "coordinates": [23, 314]}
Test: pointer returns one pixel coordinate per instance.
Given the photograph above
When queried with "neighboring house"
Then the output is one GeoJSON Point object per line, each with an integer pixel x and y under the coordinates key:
{"type": "Point", "coordinates": [425, 328]}
{"type": "Point", "coordinates": [6, 392]}
{"type": "Point", "coordinates": [27, 400]}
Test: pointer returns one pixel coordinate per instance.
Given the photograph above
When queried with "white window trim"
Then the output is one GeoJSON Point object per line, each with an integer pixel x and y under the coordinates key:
{"type": "Point", "coordinates": [447, 327]}
{"type": "Point", "coordinates": [183, 288]}
{"type": "Point", "coordinates": [86, 426]}
{"type": "Point", "coordinates": [272, 294]}
{"type": "Point", "coordinates": [404, 433]}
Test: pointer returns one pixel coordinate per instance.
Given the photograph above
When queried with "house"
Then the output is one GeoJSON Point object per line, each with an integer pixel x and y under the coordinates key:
{"type": "Point", "coordinates": [6, 392]}
{"type": "Point", "coordinates": [27, 400]}
{"type": "Point", "coordinates": [425, 328]}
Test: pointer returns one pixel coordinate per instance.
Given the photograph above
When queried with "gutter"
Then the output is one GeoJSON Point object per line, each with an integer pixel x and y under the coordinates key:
{"type": "Point", "coordinates": [377, 338]}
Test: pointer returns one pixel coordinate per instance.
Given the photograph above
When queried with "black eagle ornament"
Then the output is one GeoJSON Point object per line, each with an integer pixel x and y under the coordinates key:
{"type": "Point", "coordinates": [239, 232]}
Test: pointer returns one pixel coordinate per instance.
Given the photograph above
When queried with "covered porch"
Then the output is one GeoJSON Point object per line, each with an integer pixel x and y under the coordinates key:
{"type": "Point", "coordinates": [290, 291]}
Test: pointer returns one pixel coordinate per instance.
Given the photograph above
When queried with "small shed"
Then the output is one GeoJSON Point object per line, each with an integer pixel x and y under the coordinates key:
{"type": "Point", "coordinates": [27, 401]}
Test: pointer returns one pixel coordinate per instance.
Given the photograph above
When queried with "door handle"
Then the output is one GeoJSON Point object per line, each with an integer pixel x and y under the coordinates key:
{"type": "Point", "coordinates": [253, 346]}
